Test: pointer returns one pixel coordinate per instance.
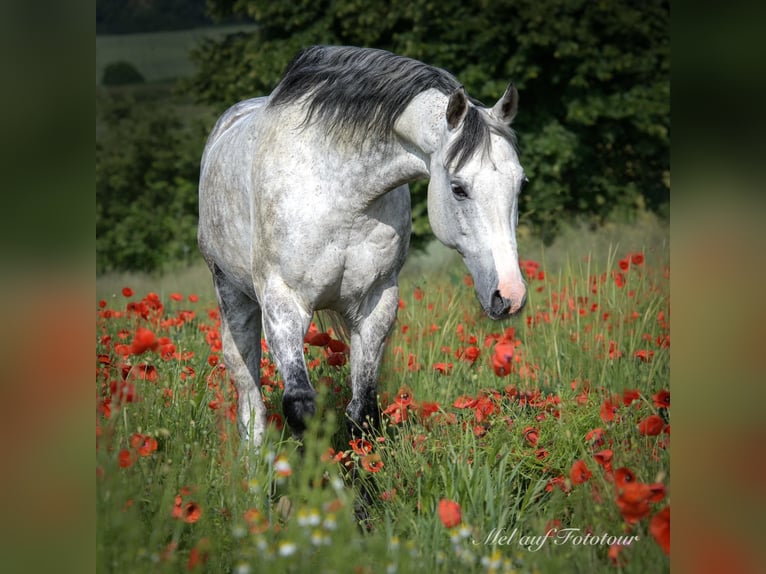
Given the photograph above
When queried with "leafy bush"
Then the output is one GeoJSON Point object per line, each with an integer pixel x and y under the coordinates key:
{"type": "Point", "coordinates": [147, 168]}
{"type": "Point", "coordinates": [121, 74]}
{"type": "Point", "coordinates": [594, 80]}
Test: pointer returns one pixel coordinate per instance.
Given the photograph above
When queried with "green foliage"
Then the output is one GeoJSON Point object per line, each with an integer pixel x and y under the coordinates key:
{"type": "Point", "coordinates": [121, 74]}
{"type": "Point", "coordinates": [594, 79]}
{"type": "Point", "coordinates": [147, 167]}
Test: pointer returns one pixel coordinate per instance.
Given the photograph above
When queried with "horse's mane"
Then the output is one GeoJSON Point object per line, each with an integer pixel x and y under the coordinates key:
{"type": "Point", "coordinates": [362, 92]}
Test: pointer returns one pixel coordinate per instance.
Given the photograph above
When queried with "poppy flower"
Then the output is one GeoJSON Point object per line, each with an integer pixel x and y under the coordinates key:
{"type": "Point", "coordinates": [143, 444]}
{"type": "Point", "coordinates": [659, 528]}
{"type": "Point", "coordinates": [126, 458]}
{"type": "Point", "coordinates": [361, 446]}
{"type": "Point", "coordinates": [449, 513]}
{"type": "Point", "coordinates": [623, 476]}
{"type": "Point", "coordinates": [176, 297]}
{"type": "Point", "coordinates": [651, 425]}
{"type": "Point", "coordinates": [372, 463]}
{"type": "Point", "coordinates": [609, 409]}
{"type": "Point", "coordinates": [579, 473]}
{"type": "Point", "coordinates": [644, 355]}
{"type": "Point", "coordinates": [443, 368]}
{"type": "Point", "coordinates": [336, 359]}
{"type": "Point", "coordinates": [530, 433]}
{"type": "Point", "coordinates": [501, 359]}
{"type": "Point", "coordinates": [637, 258]}
{"type": "Point", "coordinates": [144, 340]}
{"type": "Point", "coordinates": [317, 339]}
{"type": "Point", "coordinates": [471, 354]}
{"type": "Point", "coordinates": [199, 554]}
{"type": "Point", "coordinates": [662, 399]}
{"type": "Point", "coordinates": [629, 395]}
{"type": "Point", "coordinates": [191, 512]}
{"type": "Point", "coordinates": [127, 292]}
{"type": "Point", "coordinates": [604, 459]}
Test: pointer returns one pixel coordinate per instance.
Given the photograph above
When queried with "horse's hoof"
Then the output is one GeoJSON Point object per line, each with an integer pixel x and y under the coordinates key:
{"type": "Point", "coordinates": [298, 407]}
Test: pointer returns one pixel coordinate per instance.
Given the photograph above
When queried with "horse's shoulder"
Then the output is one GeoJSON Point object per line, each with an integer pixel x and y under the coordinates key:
{"type": "Point", "coordinates": [232, 116]}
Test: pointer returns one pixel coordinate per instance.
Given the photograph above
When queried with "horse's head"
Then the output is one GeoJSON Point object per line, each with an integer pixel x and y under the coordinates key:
{"type": "Point", "coordinates": [473, 196]}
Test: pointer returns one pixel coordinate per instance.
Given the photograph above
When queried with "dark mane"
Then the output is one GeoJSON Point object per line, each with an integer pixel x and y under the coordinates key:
{"type": "Point", "coordinates": [363, 91]}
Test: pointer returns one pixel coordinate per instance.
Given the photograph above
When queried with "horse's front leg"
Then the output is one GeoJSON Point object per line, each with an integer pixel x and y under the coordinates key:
{"type": "Point", "coordinates": [285, 323]}
{"type": "Point", "coordinates": [368, 340]}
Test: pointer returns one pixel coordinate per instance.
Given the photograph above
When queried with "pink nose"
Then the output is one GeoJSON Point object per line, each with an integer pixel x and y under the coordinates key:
{"type": "Point", "coordinates": [515, 295]}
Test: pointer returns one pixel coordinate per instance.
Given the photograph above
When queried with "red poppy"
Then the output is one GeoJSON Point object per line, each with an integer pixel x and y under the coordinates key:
{"type": "Point", "coordinates": [559, 481]}
{"type": "Point", "coordinates": [623, 476]}
{"type": "Point", "coordinates": [579, 473]}
{"type": "Point", "coordinates": [644, 355]}
{"type": "Point", "coordinates": [126, 458]}
{"type": "Point", "coordinates": [317, 339]}
{"type": "Point", "coordinates": [361, 446]}
{"type": "Point", "coordinates": [143, 444]}
{"type": "Point", "coordinates": [372, 463]}
{"type": "Point", "coordinates": [659, 528]}
{"type": "Point", "coordinates": [604, 459]}
{"type": "Point", "coordinates": [336, 359]}
{"type": "Point", "coordinates": [338, 346]}
{"type": "Point", "coordinates": [443, 368]}
{"type": "Point", "coordinates": [127, 292]}
{"type": "Point", "coordinates": [176, 297]}
{"type": "Point", "coordinates": [662, 399]}
{"type": "Point", "coordinates": [624, 264]}
{"type": "Point", "coordinates": [449, 513]}
{"type": "Point", "coordinates": [191, 512]}
{"type": "Point", "coordinates": [502, 357]}
{"type": "Point", "coordinates": [637, 258]}
{"type": "Point", "coordinates": [144, 340]}
{"type": "Point", "coordinates": [595, 437]}
{"type": "Point", "coordinates": [530, 433]}
{"type": "Point", "coordinates": [275, 420]}
{"type": "Point", "coordinates": [651, 425]}
{"type": "Point", "coordinates": [609, 409]}
{"type": "Point", "coordinates": [614, 554]}
{"type": "Point", "coordinates": [199, 554]}
{"type": "Point", "coordinates": [628, 396]}
{"type": "Point", "coordinates": [471, 354]}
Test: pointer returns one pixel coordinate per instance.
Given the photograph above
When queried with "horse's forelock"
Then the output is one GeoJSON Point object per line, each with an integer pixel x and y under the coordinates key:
{"type": "Point", "coordinates": [475, 135]}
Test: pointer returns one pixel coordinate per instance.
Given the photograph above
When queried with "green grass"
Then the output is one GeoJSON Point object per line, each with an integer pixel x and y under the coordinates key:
{"type": "Point", "coordinates": [159, 56]}
{"type": "Point", "coordinates": [253, 518]}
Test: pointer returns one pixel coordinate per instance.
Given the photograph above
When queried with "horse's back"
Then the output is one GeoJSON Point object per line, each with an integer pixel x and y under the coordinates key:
{"type": "Point", "coordinates": [224, 191]}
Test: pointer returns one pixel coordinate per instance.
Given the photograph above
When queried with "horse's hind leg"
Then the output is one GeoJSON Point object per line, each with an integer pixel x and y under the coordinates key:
{"type": "Point", "coordinates": [241, 338]}
{"type": "Point", "coordinates": [286, 322]}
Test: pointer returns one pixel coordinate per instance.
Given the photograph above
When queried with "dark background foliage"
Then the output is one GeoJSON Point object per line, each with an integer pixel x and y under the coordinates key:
{"type": "Point", "coordinates": [593, 122]}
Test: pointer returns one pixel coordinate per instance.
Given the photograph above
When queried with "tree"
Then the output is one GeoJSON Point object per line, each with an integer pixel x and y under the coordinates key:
{"type": "Point", "coordinates": [593, 123]}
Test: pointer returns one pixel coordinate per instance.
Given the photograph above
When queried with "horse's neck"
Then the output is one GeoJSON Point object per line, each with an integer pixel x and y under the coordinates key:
{"type": "Point", "coordinates": [418, 135]}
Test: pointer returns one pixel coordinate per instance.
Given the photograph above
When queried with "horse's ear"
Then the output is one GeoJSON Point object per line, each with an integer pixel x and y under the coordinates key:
{"type": "Point", "coordinates": [505, 109]}
{"type": "Point", "coordinates": [456, 108]}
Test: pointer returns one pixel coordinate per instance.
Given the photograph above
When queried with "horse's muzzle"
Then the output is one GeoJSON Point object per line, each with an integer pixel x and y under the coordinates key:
{"type": "Point", "coordinates": [501, 307]}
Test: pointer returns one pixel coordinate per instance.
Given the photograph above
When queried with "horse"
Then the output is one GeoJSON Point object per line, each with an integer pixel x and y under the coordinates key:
{"type": "Point", "coordinates": [304, 205]}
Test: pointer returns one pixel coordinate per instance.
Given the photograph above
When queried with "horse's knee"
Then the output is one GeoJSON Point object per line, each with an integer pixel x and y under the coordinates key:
{"type": "Point", "coordinates": [298, 405]}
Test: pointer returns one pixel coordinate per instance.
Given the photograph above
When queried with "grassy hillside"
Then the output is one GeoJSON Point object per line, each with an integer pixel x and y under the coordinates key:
{"type": "Point", "coordinates": [159, 56]}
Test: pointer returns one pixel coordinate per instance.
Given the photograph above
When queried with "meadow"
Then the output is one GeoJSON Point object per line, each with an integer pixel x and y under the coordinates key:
{"type": "Point", "coordinates": [540, 444]}
{"type": "Point", "coordinates": [158, 56]}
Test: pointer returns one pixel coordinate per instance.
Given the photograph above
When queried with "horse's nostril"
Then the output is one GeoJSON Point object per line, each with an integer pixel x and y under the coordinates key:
{"type": "Point", "coordinates": [500, 305]}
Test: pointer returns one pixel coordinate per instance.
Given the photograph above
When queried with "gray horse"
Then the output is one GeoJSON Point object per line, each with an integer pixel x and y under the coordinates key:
{"type": "Point", "coordinates": [304, 205]}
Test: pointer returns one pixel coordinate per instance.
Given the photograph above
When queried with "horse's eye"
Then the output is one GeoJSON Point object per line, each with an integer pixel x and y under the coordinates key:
{"type": "Point", "coordinates": [459, 192]}
{"type": "Point", "coordinates": [524, 183]}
